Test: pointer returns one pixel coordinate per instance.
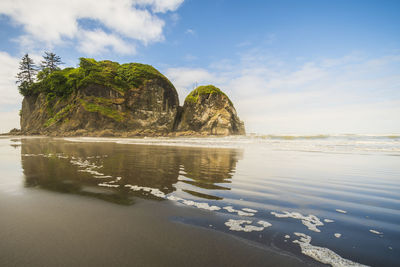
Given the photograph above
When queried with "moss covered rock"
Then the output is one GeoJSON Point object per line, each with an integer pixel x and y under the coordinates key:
{"type": "Point", "coordinates": [208, 110]}
{"type": "Point", "coordinates": [100, 95]}
{"type": "Point", "coordinates": [105, 98]}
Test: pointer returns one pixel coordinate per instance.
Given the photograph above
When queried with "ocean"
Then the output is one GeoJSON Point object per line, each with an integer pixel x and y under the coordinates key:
{"type": "Point", "coordinates": [323, 199]}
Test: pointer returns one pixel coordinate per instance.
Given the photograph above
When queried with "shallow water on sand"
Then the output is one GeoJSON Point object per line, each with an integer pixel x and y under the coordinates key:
{"type": "Point", "coordinates": [330, 199]}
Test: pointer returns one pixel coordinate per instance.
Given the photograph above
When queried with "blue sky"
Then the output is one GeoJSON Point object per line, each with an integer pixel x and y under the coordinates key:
{"type": "Point", "coordinates": [289, 66]}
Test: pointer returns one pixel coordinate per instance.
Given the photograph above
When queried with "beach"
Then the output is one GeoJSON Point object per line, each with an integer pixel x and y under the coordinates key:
{"type": "Point", "coordinates": [263, 201]}
{"type": "Point", "coordinates": [60, 230]}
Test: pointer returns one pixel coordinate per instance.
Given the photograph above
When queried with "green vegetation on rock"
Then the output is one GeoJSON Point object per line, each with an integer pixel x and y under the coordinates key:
{"type": "Point", "coordinates": [58, 116]}
{"type": "Point", "coordinates": [105, 97]}
{"type": "Point", "coordinates": [26, 76]}
{"type": "Point", "coordinates": [101, 107]}
{"type": "Point", "coordinates": [203, 90]}
{"type": "Point", "coordinates": [135, 74]}
{"type": "Point", "coordinates": [62, 83]}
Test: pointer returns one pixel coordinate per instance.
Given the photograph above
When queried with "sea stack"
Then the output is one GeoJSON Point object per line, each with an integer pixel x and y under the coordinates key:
{"type": "Point", "coordinates": [207, 110]}
{"type": "Point", "coordinates": [105, 98]}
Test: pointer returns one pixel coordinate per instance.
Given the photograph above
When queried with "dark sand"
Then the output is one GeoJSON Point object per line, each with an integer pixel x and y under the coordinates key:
{"type": "Point", "coordinates": [51, 229]}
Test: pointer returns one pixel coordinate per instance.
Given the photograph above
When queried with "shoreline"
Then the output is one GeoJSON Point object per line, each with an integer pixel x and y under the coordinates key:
{"type": "Point", "coordinates": [110, 234]}
{"type": "Point", "coordinates": [106, 133]}
{"type": "Point", "coordinates": [70, 168]}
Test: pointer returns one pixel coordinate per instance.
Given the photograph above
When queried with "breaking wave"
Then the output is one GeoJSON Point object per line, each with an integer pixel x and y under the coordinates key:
{"type": "Point", "coordinates": [345, 143]}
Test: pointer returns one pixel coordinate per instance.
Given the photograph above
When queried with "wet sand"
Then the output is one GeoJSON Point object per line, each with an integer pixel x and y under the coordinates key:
{"type": "Point", "coordinates": [81, 203]}
{"type": "Point", "coordinates": [51, 229]}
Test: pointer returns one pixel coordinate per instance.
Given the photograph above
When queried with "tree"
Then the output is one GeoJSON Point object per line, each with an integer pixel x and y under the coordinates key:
{"type": "Point", "coordinates": [51, 62]}
{"type": "Point", "coordinates": [26, 76]}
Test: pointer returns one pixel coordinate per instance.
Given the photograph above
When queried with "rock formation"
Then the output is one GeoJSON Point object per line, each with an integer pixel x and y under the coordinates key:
{"type": "Point", "coordinates": [105, 98]}
{"type": "Point", "coordinates": [207, 110]}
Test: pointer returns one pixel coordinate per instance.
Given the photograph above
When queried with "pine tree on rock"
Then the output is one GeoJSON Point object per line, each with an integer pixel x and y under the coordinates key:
{"type": "Point", "coordinates": [26, 76]}
{"type": "Point", "coordinates": [51, 62]}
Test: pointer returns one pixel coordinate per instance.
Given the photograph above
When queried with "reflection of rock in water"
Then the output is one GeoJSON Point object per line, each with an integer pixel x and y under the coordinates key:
{"type": "Point", "coordinates": [207, 167]}
{"type": "Point", "coordinates": [58, 174]}
{"type": "Point", "coordinates": [148, 166]}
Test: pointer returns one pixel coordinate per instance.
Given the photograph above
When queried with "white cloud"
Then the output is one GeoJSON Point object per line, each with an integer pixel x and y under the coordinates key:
{"type": "Point", "coordinates": [190, 57]}
{"type": "Point", "coordinates": [342, 97]}
{"type": "Point", "coordinates": [8, 89]}
{"type": "Point", "coordinates": [174, 17]}
{"type": "Point", "coordinates": [54, 21]}
{"type": "Point", "coordinates": [97, 41]}
{"type": "Point", "coordinates": [9, 120]}
{"type": "Point", "coordinates": [185, 79]}
{"type": "Point", "coordinates": [161, 6]}
{"type": "Point", "coordinates": [190, 31]}
{"type": "Point", "coordinates": [376, 118]}
{"type": "Point", "coordinates": [353, 93]}
{"type": "Point", "coordinates": [307, 73]}
{"type": "Point", "coordinates": [10, 99]}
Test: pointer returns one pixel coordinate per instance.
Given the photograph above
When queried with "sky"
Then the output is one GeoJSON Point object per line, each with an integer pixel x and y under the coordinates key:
{"type": "Point", "coordinates": [290, 67]}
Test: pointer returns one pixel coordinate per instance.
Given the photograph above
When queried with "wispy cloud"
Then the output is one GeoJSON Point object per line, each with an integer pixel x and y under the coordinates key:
{"type": "Point", "coordinates": [9, 120]}
{"type": "Point", "coordinates": [8, 70]}
{"type": "Point", "coordinates": [161, 6]}
{"type": "Point", "coordinates": [52, 22]}
{"type": "Point", "coordinates": [185, 79]}
{"type": "Point", "coordinates": [190, 32]}
{"type": "Point", "coordinates": [97, 41]}
{"type": "Point", "coordinates": [353, 93]}
{"type": "Point", "coordinates": [190, 57]}
{"type": "Point", "coordinates": [10, 98]}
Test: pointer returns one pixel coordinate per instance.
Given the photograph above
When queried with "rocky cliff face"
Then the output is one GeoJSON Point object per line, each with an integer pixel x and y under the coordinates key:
{"type": "Point", "coordinates": [106, 99]}
{"type": "Point", "coordinates": [207, 110]}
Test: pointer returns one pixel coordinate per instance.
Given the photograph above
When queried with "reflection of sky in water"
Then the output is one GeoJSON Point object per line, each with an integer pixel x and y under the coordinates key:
{"type": "Point", "coordinates": [258, 177]}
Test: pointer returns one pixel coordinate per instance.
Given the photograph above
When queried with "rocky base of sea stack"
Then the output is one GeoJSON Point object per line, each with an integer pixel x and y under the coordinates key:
{"type": "Point", "coordinates": [108, 133]}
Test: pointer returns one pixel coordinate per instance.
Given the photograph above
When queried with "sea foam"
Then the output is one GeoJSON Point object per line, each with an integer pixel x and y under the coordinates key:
{"type": "Point", "coordinates": [376, 232]}
{"type": "Point", "coordinates": [310, 221]}
{"type": "Point", "coordinates": [322, 254]}
{"type": "Point", "coordinates": [246, 226]}
{"type": "Point", "coordinates": [341, 211]}
{"type": "Point", "coordinates": [243, 212]}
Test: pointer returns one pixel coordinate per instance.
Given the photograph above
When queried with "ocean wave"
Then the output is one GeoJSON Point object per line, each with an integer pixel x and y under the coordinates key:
{"type": "Point", "coordinates": [345, 143]}
{"type": "Point", "coordinates": [324, 136]}
{"type": "Point", "coordinates": [294, 137]}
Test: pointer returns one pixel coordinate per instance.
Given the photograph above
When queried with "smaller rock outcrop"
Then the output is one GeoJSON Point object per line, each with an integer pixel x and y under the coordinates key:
{"type": "Point", "coordinates": [209, 111]}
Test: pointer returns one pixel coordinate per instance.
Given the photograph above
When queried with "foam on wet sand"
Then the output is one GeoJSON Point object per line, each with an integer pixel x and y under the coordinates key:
{"type": "Point", "coordinates": [341, 211]}
{"type": "Point", "coordinates": [375, 232]}
{"type": "Point", "coordinates": [249, 210]}
{"type": "Point", "coordinates": [108, 185]}
{"type": "Point", "coordinates": [243, 212]}
{"type": "Point", "coordinates": [153, 191]}
{"type": "Point", "coordinates": [310, 221]}
{"type": "Point", "coordinates": [200, 205]}
{"type": "Point", "coordinates": [246, 225]}
{"type": "Point", "coordinates": [158, 193]}
{"type": "Point", "coordinates": [86, 166]}
{"type": "Point", "coordinates": [322, 254]}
